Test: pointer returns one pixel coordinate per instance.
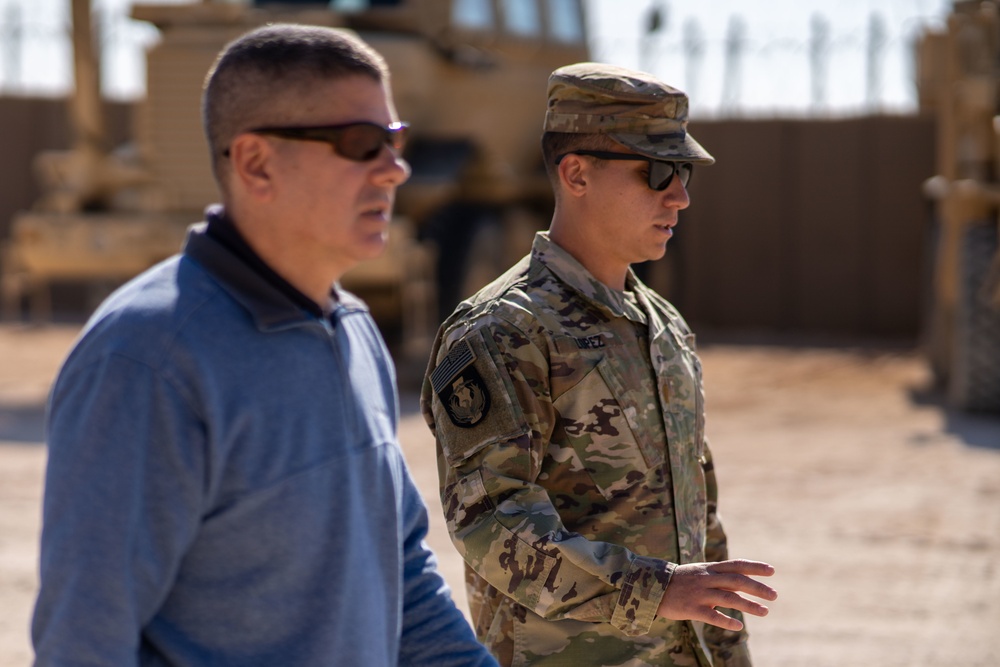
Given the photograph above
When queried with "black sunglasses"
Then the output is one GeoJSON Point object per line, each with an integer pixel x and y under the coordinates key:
{"type": "Point", "coordinates": [360, 142]}
{"type": "Point", "coordinates": [661, 172]}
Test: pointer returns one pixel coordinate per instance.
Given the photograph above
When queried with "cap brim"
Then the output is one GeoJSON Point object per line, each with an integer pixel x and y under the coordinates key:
{"type": "Point", "coordinates": [665, 147]}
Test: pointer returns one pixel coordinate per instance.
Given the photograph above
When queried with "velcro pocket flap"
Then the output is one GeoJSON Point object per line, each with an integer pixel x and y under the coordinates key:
{"type": "Point", "coordinates": [473, 402]}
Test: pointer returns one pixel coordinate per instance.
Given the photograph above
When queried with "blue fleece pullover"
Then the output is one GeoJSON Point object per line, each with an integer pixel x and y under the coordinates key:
{"type": "Point", "coordinates": [225, 486]}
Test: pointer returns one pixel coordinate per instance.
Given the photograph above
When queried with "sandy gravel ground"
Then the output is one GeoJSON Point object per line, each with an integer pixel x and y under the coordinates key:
{"type": "Point", "coordinates": [879, 508]}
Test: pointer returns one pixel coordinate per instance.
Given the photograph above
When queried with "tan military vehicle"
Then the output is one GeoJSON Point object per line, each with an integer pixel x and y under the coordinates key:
{"type": "Point", "coordinates": [959, 71]}
{"type": "Point", "coordinates": [469, 75]}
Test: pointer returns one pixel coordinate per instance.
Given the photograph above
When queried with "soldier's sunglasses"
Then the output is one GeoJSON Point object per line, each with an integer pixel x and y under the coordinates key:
{"type": "Point", "coordinates": [661, 172]}
{"type": "Point", "coordinates": [360, 142]}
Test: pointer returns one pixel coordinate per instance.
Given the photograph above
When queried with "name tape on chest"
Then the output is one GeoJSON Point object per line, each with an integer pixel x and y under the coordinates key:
{"type": "Point", "coordinates": [460, 387]}
{"type": "Point", "coordinates": [590, 342]}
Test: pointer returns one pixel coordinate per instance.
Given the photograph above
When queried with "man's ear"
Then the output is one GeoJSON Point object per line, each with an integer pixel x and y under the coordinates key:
{"type": "Point", "coordinates": [252, 162]}
{"type": "Point", "coordinates": [574, 173]}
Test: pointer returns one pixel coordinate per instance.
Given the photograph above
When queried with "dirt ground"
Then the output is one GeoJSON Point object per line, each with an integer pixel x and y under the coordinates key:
{"type": "Point", "coordinates": [879, 508]}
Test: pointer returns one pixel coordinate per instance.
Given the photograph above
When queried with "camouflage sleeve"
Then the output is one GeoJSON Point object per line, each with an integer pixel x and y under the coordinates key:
{"type": "Point", "coordinates": [729, 649]}
{"type": "Point", "coordinates": [487, 400]}
{"type": "Point", "coordinates": [716, 548]}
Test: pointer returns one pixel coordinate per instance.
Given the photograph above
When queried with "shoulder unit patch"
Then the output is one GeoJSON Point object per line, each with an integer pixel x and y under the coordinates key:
{"type": "Point", "coordinates": [460, 387]}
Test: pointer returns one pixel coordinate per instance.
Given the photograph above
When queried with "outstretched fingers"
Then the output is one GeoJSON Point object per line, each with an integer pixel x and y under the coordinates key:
{"type": "Point", "coordinates": [754, 568]}
{"type": "Point", "coordinates": [696, 590]}
{"type": "Point", "coordinates": [718, 619]}
{"type": "Point", "coordinates": [734, 577]}
{"type": "Point", "coordinates": [727, 599]}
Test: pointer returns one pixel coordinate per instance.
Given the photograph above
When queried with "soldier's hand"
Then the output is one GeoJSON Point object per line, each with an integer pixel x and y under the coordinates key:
{"type": "Point", "coordinates": [696, 589]}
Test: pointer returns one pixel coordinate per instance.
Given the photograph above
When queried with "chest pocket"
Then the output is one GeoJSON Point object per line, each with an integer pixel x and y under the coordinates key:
{"type": "Point", "coordinates": [599, 417]}
{"type": "Point", "coordinates": [679, 371]}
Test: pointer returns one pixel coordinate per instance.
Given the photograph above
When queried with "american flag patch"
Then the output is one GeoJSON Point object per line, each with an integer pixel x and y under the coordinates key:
{"type": "Point", "coordinates": [457, 360]}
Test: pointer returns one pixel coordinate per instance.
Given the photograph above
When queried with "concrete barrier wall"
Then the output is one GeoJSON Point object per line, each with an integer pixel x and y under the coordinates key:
{"type": "Point", "coordinates": [814, 226]}
{"type": "Point", "coordinates": [800, 226]}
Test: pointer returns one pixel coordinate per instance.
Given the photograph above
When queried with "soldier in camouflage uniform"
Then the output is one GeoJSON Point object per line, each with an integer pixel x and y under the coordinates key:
{"type": "Point", "coordinates": [567, 403]}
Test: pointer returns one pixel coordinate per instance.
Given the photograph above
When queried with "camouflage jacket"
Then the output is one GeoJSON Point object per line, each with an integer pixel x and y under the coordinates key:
{"type": "Point", "coordinates": [574, 471]}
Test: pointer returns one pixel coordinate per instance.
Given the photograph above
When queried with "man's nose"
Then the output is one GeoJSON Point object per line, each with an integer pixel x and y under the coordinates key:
{"type": "Point", "coordinates": [392, 169]}
{"type": "Point", "coordinates": [677, 195]}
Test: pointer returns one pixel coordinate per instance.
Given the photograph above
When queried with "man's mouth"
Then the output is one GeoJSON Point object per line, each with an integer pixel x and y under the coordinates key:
{"type": "Point", "coordinates": [378, 211]}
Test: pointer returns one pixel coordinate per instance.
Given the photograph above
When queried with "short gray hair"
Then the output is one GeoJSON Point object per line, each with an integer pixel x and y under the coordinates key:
{"type": "Point", "coordinates": [258, 71]}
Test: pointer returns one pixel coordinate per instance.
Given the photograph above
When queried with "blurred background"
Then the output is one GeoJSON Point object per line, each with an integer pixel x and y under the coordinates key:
{"type": "Point", "coordinates": [850, 57]}
{"type": "Point", "coordinates": [852, 195]}
{"type": "Point", "coordinates": [839, 261]}
{"type": "Point", "coordinates": [825, 119]}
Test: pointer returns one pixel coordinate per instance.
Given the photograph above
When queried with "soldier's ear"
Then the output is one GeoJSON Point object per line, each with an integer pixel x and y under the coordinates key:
{"type": "Point", "coordinates": [574, 174]}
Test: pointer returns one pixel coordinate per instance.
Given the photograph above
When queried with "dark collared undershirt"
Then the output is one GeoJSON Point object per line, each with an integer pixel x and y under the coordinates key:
{"type": "Point", "coordinates": [221, 229]}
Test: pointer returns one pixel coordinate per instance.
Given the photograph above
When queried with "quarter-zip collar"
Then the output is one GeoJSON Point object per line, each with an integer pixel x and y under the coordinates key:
{"type": "Point", "coordinates": [272, 301]}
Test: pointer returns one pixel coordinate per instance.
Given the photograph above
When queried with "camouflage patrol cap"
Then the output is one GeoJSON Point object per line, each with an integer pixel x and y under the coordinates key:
{"type": "Point", "coordinates": [635, 109]}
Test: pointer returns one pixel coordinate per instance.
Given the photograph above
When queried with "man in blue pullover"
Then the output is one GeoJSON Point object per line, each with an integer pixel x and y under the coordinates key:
{"type": "Point", "coordinates": [224, 485]}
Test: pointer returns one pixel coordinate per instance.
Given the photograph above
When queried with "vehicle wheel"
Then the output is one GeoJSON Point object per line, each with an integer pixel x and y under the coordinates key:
{"type": "Point", "coordinates": [457, 231]}
{"type": "Point", "coordinates": [935, 329]}
{"type": "Point", "coordinates": [476, 243]}
{"type": "Point", "coordinates": [974, 382]}
{"type": "Point", "coordinates": [484, 257]}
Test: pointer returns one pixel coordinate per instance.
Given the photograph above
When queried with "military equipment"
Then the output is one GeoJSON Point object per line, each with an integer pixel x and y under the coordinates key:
{"type": "Point", "coordinates": [469, 76]}
{"type": "Point", "coordinates": [959, 82]}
